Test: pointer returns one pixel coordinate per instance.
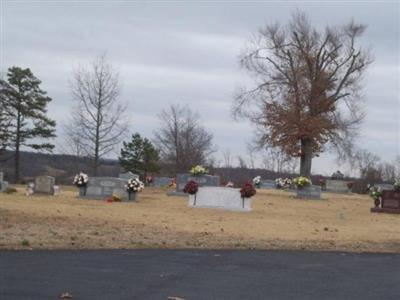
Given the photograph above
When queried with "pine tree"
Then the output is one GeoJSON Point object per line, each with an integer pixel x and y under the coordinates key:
{"type": "Point", "coordinates": [139, 156]}
{"type": "Point", "coordinates": [26, 109]}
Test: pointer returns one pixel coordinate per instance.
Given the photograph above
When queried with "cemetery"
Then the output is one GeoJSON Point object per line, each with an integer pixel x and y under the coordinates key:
{"type": "Point", "coordinates": [272, 219]}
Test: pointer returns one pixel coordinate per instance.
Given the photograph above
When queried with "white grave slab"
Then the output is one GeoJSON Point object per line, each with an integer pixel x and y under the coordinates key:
{"type": "Point", "coordinates": [220, 198]}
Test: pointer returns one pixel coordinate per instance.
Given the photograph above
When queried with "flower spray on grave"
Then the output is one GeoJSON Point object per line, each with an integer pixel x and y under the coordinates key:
{"type": "Point", "coordinates": [301, 182]}
{"type": "Point", "coordinates": [281, 183]}
{"type": "Point", "coordinates": [81, 180]}
{"type": "Point", "coordinates": [134, 186]}
{"type": "Point", "coordinates": [191, 188]}
{"type": "Point", "coordinates": [257, 181]}
{"type": "Point", "coordinates": [198, 171]}
{"type": "Point", "coordinates": [247, 191]}
{"type": "Point", "coordinates": [375, 193]}
{"type": "Point", "coordinates": [396, 185]}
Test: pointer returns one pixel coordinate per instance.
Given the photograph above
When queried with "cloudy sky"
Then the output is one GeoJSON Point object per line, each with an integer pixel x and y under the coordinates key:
{"type": "Point", "coordinates": [187, 52]}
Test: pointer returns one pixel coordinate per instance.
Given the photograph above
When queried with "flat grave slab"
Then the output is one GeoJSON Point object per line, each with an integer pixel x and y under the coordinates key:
{"type": "Point", "coordinates": [220, 198]}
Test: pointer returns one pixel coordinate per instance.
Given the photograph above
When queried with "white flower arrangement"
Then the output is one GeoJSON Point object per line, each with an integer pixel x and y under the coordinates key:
{"type": "Point", "coordinates": [198, 170]}
{"type": "Point", "coordinates": [257, 181]}
{"type": "Point", "coordinates": [134, 185]}
{"type": "Point", "coordinates": [230, 184]}
{"type": "Point", "coordinates": [81, 179]}
{"type": "Point", "coordinates": [283, 183]}
{"type": "Point", "coordinates": [396, 185]}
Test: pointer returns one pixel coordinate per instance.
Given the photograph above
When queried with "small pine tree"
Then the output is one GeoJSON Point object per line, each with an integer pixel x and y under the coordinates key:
{"type": "Point", "coordinates": [139, 156]}
{"type": "Point", "coordinates": [26, 109]}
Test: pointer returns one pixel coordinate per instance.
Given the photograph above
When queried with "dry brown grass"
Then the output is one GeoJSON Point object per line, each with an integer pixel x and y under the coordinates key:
{"type": "Point", "coordinates": [278, 221]}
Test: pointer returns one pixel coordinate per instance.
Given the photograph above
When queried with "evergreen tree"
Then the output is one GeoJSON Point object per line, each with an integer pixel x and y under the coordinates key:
{"type": "Point", "coordinates": [139, 156]}
{"type": "Point", "coordinates": [26, 108]}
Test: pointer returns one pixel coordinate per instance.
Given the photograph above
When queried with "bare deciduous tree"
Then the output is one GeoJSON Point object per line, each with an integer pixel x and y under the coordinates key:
{"type": "Point", "coordinates": [183, 142]}
{"type": "Point", "coordinates": [307, 85]}
{"type": "Point", "coordinates": [226, 154]}
{"type": "Point", "coordinates": [98, 122]}
{"type": "Point", "coordinates": [367, 163]}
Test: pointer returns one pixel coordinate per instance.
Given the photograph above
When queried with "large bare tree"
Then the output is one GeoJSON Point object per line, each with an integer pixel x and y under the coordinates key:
{"type": "Point", "coordinates": [98, 122]}
{"type": "Point", "coordinates": [182, 140]}
{"type": "Point", "coordinates": [307, 87]}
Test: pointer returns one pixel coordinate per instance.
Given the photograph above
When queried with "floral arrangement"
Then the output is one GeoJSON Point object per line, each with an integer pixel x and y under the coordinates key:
{"type": "Point", "coordinates": [321, 181]}
{"type": "Point", "coordinates": [81, 179]}
{"type": "Point", "coordinates": [198, 171]}
{"type": "Point", "coordinates": [350, 185]}
{"type": "Point", "coordinates": [230, 184]}
{"type": "Point", "coordinates": [283, 183]}
{"type": "Point", "coordinates": [134, 185]}
{"type": "Point", "coordinates": [172, 183]}
{"type": "Point", "coordinates": [114, 198]}
{"type": "Point", "coordinates": [301, 182]}
{"type": "Point", "coordinates": [149, 180]}
{"type": "Point", "coordinates": [375, 193]}
{"type": "Point", "coordinates": [191, 187]}
{"type": "Point", "coordinates": [247, 190]}
{"type": "Point", "coordinates": [396, 185]}
{"type": "Point", "coordinates": [257, 181]}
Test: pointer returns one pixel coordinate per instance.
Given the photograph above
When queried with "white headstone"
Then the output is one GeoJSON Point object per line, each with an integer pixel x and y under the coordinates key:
{"type": "Point", "coordinates": [221, 198]}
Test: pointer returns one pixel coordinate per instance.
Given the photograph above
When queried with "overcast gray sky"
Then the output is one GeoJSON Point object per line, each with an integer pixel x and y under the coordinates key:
{"type": "Point", "coordinates": [187, 53]}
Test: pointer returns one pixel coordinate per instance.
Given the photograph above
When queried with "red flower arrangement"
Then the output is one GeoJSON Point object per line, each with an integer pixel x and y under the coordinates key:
{"type": "Point", "coordinates": [247, 190]}
{"type": "Point", "coordinates": [191, 187]}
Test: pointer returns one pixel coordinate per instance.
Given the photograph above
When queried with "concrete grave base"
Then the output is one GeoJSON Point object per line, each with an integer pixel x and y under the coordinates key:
{"type": "Point", "coordinates": [220, 198]}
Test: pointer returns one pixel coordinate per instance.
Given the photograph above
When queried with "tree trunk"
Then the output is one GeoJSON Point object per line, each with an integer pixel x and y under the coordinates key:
{"type": "Point", "coordinates": [306, 158]}
{"type": "Point", "coordinates": [17, 145]}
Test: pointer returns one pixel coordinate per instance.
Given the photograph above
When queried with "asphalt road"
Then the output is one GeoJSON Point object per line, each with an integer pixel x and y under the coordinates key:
{"type": "Point", "coordinates": [159, 274]}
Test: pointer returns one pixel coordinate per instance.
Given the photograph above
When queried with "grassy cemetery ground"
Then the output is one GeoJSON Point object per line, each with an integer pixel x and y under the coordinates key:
{"type": "Point", "coordinates": [278, 221]}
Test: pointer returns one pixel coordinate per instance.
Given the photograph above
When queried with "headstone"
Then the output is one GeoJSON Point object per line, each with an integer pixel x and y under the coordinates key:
{"type": "Point", "coordinates": [309, 192]}
{"type": "Point", "coordinates": [384, 186]}
{"type": "Point", "coordinates": [390, 202]}
{"type": "Point", "coordinates": [103, 187]}
{"type": "Point", "coordinates": [128, 175]}
{"type": "Point", "coordinates": [3, 184]}
{"type": "Point", "coordinates": [44, 185]}
{"type": "Point", "coordinates": [220, 198]}
{"type": "Point", "coordinates": [162, 181]}
{"type": "Point", "coordinates": [267, 184]}
{"type": "Point", "coordinates": [337, 186]}
{"type": "Point", "coordinates": [202, 181]}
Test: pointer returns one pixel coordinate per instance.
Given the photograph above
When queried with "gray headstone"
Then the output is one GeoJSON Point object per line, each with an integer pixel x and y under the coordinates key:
{"type": "Point", "coordinates": [103, 187]}
{"type": "Point", "coordinates": [44, 185]}
{"type": "Point", "coordinates": [3, 186]}
{"type": "Point", "coordinates": [221, 198]}
{"type": "Point", "coordinates": [384, 186]}
{"type": "Point", "coordinates": [128, 175]}
{"type": "Point", "coordinates": [337, 186]}
{"type": "Point", "coordinates": [161, 181]}
{"type": "Point", "coordinates": [203, 180]}
{"type": "Point", "coordinates": [267, 184]}
{"type": "Point", "coordinates": [1, 176]}
{"type": "Point", "coordinates": [309, 192]}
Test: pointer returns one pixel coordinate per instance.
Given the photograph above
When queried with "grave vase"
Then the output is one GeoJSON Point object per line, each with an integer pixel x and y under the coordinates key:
{"type": "Point", "coordinates": [132, 196]}
{"type": "Point", "coordinates": [82, 191]}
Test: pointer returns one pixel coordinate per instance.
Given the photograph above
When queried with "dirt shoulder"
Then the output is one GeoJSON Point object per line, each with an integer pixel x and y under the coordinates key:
{"type": "Point", "coordinates": [278, 221]}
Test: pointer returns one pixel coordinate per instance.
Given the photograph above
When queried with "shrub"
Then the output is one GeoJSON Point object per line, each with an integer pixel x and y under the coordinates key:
{"type": "Point", "coordinates": [25, 243]}
{"type": "Point", "coordinates": [247, 190]}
